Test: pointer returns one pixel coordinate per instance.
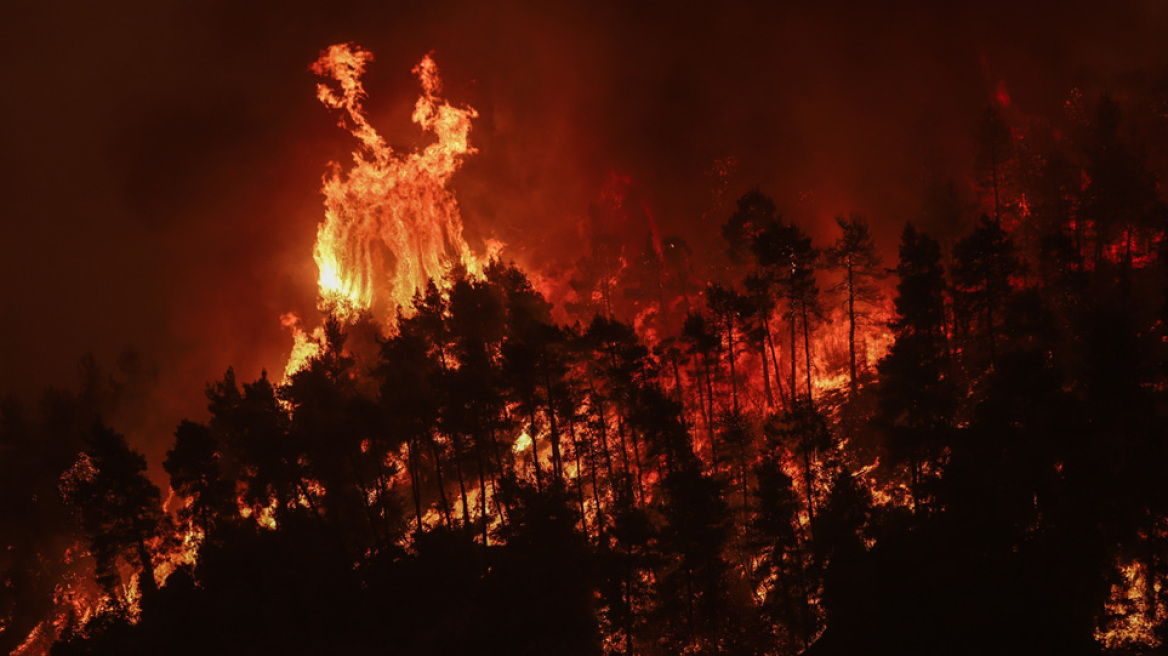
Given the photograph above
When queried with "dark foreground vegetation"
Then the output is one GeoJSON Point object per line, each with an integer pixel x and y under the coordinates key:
{"type": "Point", "coordinates": [486, 480]}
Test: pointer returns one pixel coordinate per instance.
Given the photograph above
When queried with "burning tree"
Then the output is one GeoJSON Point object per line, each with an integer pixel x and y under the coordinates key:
{"type": "Point", "coordinates": [118, 508]}
{"type": "Point", "coordinates": [854, 254]}
{"type": "Point", "coordinates": [445, 445]}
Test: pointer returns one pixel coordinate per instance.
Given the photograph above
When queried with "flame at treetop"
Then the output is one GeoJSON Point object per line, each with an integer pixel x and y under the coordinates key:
{"type": "Point", "coordinates": [390, 222]}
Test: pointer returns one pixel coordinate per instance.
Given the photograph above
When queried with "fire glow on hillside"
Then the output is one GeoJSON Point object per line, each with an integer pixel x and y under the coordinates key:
{"type": "Point", "coordinates": [777, 443]}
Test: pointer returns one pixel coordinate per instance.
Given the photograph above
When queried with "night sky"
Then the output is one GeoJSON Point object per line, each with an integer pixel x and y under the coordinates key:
{"type": "Point", "coordinates": [162, 161]}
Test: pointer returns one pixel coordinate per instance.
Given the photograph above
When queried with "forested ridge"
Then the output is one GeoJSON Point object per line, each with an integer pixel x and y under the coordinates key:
{"type": "Point", "coordinates": [975, 462]}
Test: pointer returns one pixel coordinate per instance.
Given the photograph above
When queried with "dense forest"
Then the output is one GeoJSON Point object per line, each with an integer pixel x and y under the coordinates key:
{"type": "Point", "coordinates": [781, 447]}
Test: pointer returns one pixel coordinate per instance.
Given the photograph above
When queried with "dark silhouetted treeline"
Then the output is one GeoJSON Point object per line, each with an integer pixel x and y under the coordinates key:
{"type": "Point", "coordinates": [962, 451]}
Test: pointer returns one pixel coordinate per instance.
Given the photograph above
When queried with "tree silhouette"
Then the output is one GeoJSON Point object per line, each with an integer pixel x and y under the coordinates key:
{"type": "Point", "coordinates": [915, 391]}
{"type": "Point", "coordinates": [1120, 201]}
{"type": "Point", "coordinates": [730, 307]}
{"type": "Point", "coordinates": [755, 214]}
{"type": "Point", "coordinates": [659, 485]}
{"type": "Point", "coordinates": [788, 258]}
{"type": "Point", "coordinates": [117, 507]}
{"type": "Point", "coordinates": [477, 324]}
{"type": "Point", "coordinates": [994, 150]}
{"type": "Point", "coordinates": [253, 427]}
{"type": "Point", "coordinates": [775, 527]}
{"type": "Point", "coordinates": [193, 466]}
{"type": "Point", "coordinates": [854, 255]}
{"type": "Point", "coordinates": [702, 342]}
{"type": "Point", "coordinates": [693, 596]}
{"type": "Point", "coordinates": [983, 264]}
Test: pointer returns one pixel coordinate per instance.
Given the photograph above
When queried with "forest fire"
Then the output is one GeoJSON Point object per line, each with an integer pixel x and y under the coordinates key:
{"type": "Point", "coordinates": [391, 225]}
{"type": "Point", "coordinates": [775, 429]}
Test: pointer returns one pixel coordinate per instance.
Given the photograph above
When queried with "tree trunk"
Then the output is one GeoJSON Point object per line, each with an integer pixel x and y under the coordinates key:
{"type": "Point", "coordinates": [602, 424]}
{"type": "Point", "coordinates": [637, 462]}
{"type": "Point", "coordinates": [733, 376]}
{"type": "Point", "coordinates": [766, 375]}
{"type": "Point", "coordinates": [794, 359]}
{"type": "Point", "coordinates": [579, 475]}
{"type": "Point", "coordinates": [443, 502]}
{"type": "Point", "coordinates": [365, 487]}
{"type": "Point", "coordinates": [483, 499]}
{"type": "Point", "coordinates": [592, 467]}
{"type": "Point", "coordinates": [146, 582]}
{"type": "Point", "coordinates": [809, 481]}
{"type": "Point", "coordinates": [415, 483]}
{"type": "Point", "coordinates": [557, 463]}
{"type": "Point", "coordinates": [677, 389]}
{"type": "Point", "coordinates": [624, 445]}
{"type": "Point", "coordinates": [742, 468]}
{"type": "Point", "coordinates": [703, 410]}
{"type": "Point", "coordinates": [461, 483]}
{"type": "Point", "coordinates": [775, 361]}
{"type": "Point", "coordinates": [852, 383]}
{"type": "Point", "coordinates": [531, 433]}
{"type": "Point", "coordinates": [807, 350]}
{"type": "Point", "coordinates": [710, 400]}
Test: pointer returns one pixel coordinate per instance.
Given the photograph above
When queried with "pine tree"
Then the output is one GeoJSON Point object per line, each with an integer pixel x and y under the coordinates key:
{"type": "Point", "coordinates": [983, 265]}
{"type": "Point", "coordinates": [916, 396]}
{"type": "Point", "coordinates": [994, 151]}
{"type": "Point", "coordinates": [854, 255]}
{"type": "Point", "coordinates": [785, 253]}
{"type": "Point", "coordinates": [755, 213]}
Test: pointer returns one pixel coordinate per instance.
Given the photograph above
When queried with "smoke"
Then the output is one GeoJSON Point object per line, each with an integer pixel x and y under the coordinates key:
{"type": "Point", "coordinates": [163, 161]}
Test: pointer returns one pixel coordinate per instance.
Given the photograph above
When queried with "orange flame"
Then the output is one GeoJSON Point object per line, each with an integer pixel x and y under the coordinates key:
{"type": "Point", "coordinates": [1132, 615]}
{"type": "Point", "coordinates": [390, 223]}
{"type": "Point", "coordinates": [305, 345]}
